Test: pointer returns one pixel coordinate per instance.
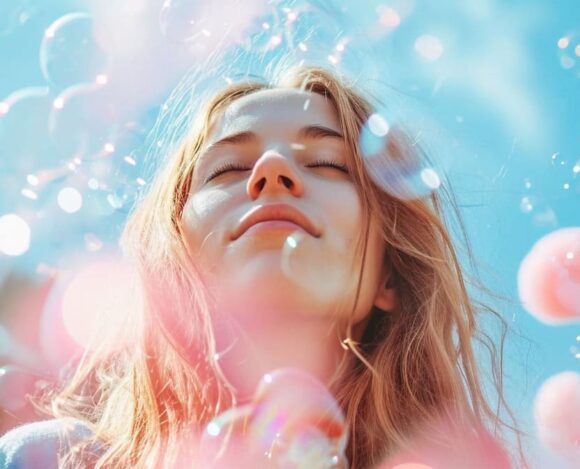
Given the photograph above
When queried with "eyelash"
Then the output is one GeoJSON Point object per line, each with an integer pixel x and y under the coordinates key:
{"type": "Point", "coordinates": [231, 166]}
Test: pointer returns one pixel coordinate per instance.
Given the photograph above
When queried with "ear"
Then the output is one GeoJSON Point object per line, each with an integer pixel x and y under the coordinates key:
{"type": "Point", "coordinates": [385, 298]}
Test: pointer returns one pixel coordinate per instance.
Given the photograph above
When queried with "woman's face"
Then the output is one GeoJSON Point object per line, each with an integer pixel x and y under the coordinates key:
{"type": "Point", "coordinates": [273, 217]}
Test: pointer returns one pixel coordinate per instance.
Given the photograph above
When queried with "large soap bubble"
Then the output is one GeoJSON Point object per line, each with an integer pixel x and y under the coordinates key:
{"type": "Point", "coordinates": [292, 422]}
{"type": "Point", "coordinates": [69, 54]}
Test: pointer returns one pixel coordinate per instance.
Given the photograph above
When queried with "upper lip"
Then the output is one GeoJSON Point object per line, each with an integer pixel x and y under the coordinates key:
{"type": "Point", "coordinates": [273, 212]}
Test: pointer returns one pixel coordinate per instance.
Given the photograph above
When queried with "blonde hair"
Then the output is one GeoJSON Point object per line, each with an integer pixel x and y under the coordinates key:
{"type": "Point", "coordinates": [411, 367]}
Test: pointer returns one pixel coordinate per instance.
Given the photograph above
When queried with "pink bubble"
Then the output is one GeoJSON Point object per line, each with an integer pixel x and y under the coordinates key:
{"type": "Point", "coordinates": [557, 414]}
{"type": "Point", "coordinates": [87, 309]}
{"type": "Point", "coordinates": [549, 277]}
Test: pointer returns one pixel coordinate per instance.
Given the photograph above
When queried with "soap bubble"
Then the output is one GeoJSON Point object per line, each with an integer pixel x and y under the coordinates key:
{"type": "Point", "coordinates": [292, 422]}
{"type": "Point", "coordinates": [394, 162]}
{"type": "Point", "coordinates": [69, 54]}
{"type": "Point", "coordinates": [24, 136]}
{"type": "Point", "coordinates": [83, 121]}
{"type": "Point", "coordinates": [557, 413]}
{"type": "Point", "coordinates": [549, 277]}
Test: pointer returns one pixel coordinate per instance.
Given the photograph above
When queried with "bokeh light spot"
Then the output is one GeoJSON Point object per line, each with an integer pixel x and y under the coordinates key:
{"type": "Point", "coordinates": [14, 235]}
{"type": "Point", "coordinates": [563, 42]}
{"type": "Point", "coordinates": [429, 47]}
{"type": "Point", "coordinates": [70, 200]}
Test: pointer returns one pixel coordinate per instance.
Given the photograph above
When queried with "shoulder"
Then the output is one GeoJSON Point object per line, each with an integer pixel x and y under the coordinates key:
{"type": "Point", "coordinates": [38, 444]}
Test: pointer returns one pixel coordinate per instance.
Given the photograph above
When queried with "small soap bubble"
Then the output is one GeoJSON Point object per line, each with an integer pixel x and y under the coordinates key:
{"type": "Point", "coordinates": [14, 235]}
{"type": "Point", "coordinates": [69, 53]}
{"type": "Point", "coordinates": [429, 47]}
{"type": "Point", "coordinates": [527, 183]}
{"type": "Point", "coordinates": [393, 161]}
{"type": "Point", "coordinates": [70, 199]}
{"type": "Point", "coordinates": [566, 186]}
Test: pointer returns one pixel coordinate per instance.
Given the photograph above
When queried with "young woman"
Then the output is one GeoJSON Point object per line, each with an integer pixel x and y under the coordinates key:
{"type": "Point", "coordinates": [265, 243]}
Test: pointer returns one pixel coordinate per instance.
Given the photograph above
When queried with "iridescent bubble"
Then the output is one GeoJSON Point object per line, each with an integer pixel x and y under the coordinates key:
{"type": "Point", "coordinates": [394, 162]}
{"type": "Point", "coordinates": [292, 422]}
{"type": "Point", "coordinates": [549, 277]}
{"type": "Point", "coordinates": [69, 54]}
{"type": "Point", "coordinates": [297, 422]}
{"type": "Point", "coordinates": [14, 235]}
{"type": "Point", "coordinates": [83, 120]}
{"type": "Point", "coordinates": [429, 47]}
{"type": "Point", "coordinates": [25, 144]}
{"type": "Point", "coordinates": [70, 199]}
{"type": "Point", "coordinates": [557, 413]}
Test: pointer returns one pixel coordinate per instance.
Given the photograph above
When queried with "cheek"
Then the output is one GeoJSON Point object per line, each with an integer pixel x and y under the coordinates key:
{"type": "Point", "coordinates": [201, 216]}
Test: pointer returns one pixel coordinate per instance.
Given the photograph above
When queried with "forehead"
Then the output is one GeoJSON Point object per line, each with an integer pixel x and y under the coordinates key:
{"type": "Point", "coordinates": [277, 111]}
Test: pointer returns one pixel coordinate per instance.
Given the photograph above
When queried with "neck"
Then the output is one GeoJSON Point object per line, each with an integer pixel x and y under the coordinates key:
{"type": "Point", "coordinates": [249, 348]}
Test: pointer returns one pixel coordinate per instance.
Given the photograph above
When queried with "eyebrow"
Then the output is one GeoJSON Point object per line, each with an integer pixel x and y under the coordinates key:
{"type": "Point", "coordinates": [308, 132]}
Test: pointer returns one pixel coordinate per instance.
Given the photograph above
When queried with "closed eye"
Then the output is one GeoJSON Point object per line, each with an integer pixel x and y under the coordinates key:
{"type": "Point", "coordinates": [328, 164]}
{"type": "Point", "coordinates": [224, 168]}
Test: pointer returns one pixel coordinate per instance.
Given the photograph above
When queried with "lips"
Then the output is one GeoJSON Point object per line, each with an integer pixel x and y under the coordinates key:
{"type": "Point", "coordinates": [275, 212]}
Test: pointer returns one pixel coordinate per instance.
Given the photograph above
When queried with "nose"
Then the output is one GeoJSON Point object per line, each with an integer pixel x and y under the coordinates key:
{"type": "Point", "coordinates": [273, 173]}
